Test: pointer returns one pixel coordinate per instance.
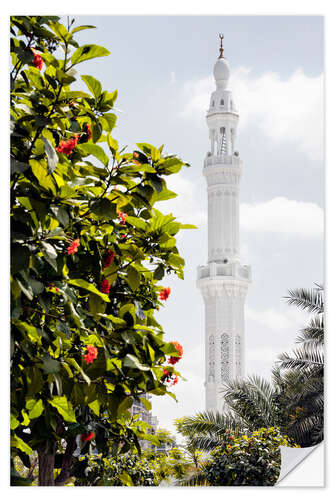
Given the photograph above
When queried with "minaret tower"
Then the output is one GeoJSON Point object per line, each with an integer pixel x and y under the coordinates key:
{"type": "Point", "coordinates": [223, 281]}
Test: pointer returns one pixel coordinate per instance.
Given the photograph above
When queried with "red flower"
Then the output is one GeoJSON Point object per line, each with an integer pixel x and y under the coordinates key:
{"type": "Point", "coordinates": [231, 437]}
{"type": "Point", "coordinates": [169, 377]}
{"type": "Point", "coordinates": [164, 294]}
{"type": "Point", "coordinates": [91, 354]}
{"type": "Point", "coordinates": [38, 60]}
{"type": "Point", "coordinates": [67, 147]}
{"type": "Point", "coordinates": [87, 436]}
{"type": "Point", "coordinates": [105, 286]}
{"type": "Point", "coordinates": [73, 247]}
{"type": "Point", "coordinates": [174, 359]}
{"type": "Point", "coordinates": [88, 131]}
{"type": "Point", "coordinates": [108, 259]}
{"type": "Point", "coordinates": [123, 216]}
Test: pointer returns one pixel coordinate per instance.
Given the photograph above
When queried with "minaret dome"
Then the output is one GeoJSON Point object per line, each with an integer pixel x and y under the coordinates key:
{"type": "Point", "coordinates": [221, 73]}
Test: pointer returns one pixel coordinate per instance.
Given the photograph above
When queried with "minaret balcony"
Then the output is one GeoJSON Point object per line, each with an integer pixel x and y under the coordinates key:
{"type": "Point", "coordinates": [221, 160]}
{"type": "Point", "coordinates": [215, 270]}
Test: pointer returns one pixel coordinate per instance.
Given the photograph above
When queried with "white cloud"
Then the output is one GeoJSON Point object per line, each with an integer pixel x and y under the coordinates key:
{"type": "Point", "coordinates": [288, 110]}
{"type": "Point", "coordinates": [282, 215]}
{"type": "Point", "coordinates": [186, 207]}
{"type": "Point", "coordinates": [272, 319]}
{"type": "Point", "coordinates": [172, 78]}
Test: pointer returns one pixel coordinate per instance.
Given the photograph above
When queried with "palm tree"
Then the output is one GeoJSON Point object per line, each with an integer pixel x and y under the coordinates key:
{"type": "Point", "coordinates": [299, 377]}
{"type": "Point", "coordinates": [205, 430]}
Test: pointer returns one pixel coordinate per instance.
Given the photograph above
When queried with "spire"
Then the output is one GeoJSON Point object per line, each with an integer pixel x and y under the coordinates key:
{"type": "Point", "coordinates": [221, 45]}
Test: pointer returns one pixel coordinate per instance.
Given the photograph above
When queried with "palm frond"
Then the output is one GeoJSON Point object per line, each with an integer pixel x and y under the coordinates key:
{"type": "Point", "coordinates": [206, 423]}
{"type": "Point", "coordinates": [304, 357]}
{"type": "Point", "coordinates": [251, 399]}
{"type": "Point", "coordinates": [205, 443]}
{"type": "Point", "coordinates": [312, 300]}
{"type": "Point", "coordinates": [314, 332]}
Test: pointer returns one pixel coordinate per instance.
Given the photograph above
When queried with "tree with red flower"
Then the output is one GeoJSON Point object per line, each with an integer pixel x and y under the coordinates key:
{"type": "Point", "coordinates": [37, 61]}
{"type": "Point", "coordinates": [67, 146]}
{"type": "Point", "coordinates": [87, 436]}
{"type": "Point", "coordinates": [91, 354]}
{"type": "Point", "coordinates": [164, 294]}
{"type": "Point", "coordinates": [105, 286]}
{"type": "Point", "coordinates": [122, 216]}
{"type": "Point", "coordinates": [169, 377]}
{"type": "Point", "coordinates": [174, 359]}
{"type": "Point", "coordinates": [88, 131]}
{"type": "Point", "coordinates": [108, 259]}
{"type": "Point", "coordinates": [73, 246]}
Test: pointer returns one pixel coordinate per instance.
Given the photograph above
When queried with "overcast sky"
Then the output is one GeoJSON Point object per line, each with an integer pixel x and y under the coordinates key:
{"type": "Point", "coordinates": [162, 68]}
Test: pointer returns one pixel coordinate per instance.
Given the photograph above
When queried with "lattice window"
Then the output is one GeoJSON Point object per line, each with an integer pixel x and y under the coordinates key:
{"type": "Point", "coordinates": [225, 357]}
{"type": "Point", "coordinates": [211, 357]}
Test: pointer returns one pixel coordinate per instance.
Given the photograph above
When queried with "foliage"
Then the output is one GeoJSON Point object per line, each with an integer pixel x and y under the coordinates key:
{"type": "Point", "coordinates": [299, 378]}
{"type": "Point", "coordinates": [172, 464]}
{"type": "Point", "coordinates": [129, 469]}
{"type": "Point", "coordinates": [88, 249]}
{"type": "Point", "coordinates": [206, 430]}
{"type": "Point", "coordinates": [122, 470]}
{"type": "Point", "coordinates": [244, 460]}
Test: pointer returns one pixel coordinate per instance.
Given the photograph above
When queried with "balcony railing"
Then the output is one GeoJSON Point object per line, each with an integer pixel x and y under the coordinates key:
{"type": "Point", "coordinates": [222, 160]}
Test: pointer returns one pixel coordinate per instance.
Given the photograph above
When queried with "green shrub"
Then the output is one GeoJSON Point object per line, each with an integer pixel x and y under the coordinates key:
{"type": "Point", "coordinates": [252, 460]}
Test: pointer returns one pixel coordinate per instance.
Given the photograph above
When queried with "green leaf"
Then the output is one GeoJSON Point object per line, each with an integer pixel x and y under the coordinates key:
{"type": "Point", "coordinates": [146, 403]}
{"type": "Point", "coordinates": [17, 167]}
{"type": "Point", "coordinates": [74, 363]}
{"type": "Point", "coordinates": [49, 250]}
{"type": "Point", "coordinates": [20, 257]}
{"type": "Point", "coordinates": [40, 172]}
{"type": "Point", "coordinates": [51, 365]}
{"type": "Point", "coordinates": [125, 479]}
{"type": "Point", "coordinates": [83, 27]}
{"type": "Point", "coordinates": [124, 405]}
{"type": "Point", "coordinates": [108, 121]}
{"type": "Point", "coordinates": [112, 143]}
{"type": "Point", "coordinates": [166, 194]}
{"type": "Point", "coordinates": [64, 78]}
{"type": "Point", "coordinates": [96, 304]}
{"type": "Point", "coordinates": [131, 361]}
{"type": "Point", "coordinates": [35, 408]}
{"type": "Point", "coordinates": [52, 157]}
{"type": "Point", "coordinates": [95, 150]}
{"type": "Point", "coordinates": [64, 407]}
{"type": "Point", "coordinates": [137, 222]}
{"type": "Point", "coordinates": [17, 442]}
{"type": "Point", "coordinates": [13, 422]}
{"type": "Point", "coordinates": [93, 85]}
{"type": "Point", "coordinates": [90, 287]}
{"type": "Point", "coordinates": [159, 272]}
{"type": "Point", "coordinates": [133, 278]}
{"type": "Point", "coordinates": [88, 52]}
{"type": "Point", "coordinates": [95, 407]}
{"type": "Point", "coordinates": [104, 207]}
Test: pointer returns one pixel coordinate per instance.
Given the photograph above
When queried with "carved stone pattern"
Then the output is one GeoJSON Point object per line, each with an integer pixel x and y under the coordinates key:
{"type": "Point", "coordinates": [225, 357]}
{"type": "Point", "coordinates": [238, 352]}
{"type": "Point", "coordinates": [211, 358]}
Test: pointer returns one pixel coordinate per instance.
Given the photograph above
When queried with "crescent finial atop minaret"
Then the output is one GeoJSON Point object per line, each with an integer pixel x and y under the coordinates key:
{"type": "Point", "coordinates": [221, 45]}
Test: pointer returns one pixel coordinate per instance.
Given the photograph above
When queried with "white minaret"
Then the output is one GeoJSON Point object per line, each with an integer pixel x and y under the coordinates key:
{"type": "Point", "coordinates": [224, 280]}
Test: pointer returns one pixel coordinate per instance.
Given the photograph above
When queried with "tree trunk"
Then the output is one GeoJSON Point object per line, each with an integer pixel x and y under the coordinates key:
{"type": "Point", "coordinates": [45, 467]}
{"type": "Point", "coordinates": [65, 472]}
